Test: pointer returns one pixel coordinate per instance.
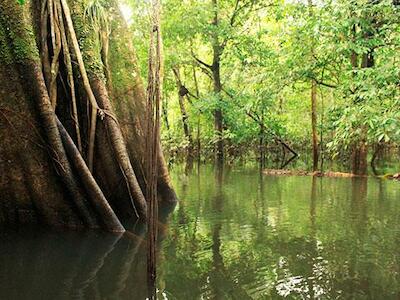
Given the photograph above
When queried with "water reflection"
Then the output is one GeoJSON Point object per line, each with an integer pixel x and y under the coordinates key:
{"type": "Point", "coordinates": [38, 264]}
{"type": "Point", "coordinates": [49, 265]}
{"type": "Point", "coordinates": [234, 235]}
{"type": "Point", "coordinates": [277, 237]}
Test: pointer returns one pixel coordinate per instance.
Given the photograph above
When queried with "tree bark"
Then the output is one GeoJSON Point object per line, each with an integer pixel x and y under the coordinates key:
{"type": "Point", "coordinates": [130, 108]}
{"type": "Point", "coordinates": [46, 180]}
{"type": "Point", "coordinates": [99, 202]}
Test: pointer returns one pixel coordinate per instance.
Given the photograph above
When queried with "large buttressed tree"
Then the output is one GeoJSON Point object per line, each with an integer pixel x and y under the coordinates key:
{"type": "Point", "coordinates": [72, 116]}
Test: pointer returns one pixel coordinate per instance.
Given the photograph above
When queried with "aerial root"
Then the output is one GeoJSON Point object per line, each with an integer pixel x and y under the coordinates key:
{"type": "Point", "coordinates": [58, 36]}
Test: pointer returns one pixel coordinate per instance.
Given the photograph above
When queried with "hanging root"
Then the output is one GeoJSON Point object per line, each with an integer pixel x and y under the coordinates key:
{"type": "Point", "coordinates": [113, 127]}
{"type": "Point", "coordinates": [152, 143]}
{"type": "Point", "coordinates": [45, 49]}
{"type": "Point", "coordinates": [104, 36]}
{"type": "Point", "coordinates": [85, 79]}
{"type": "Point", "coordinates": [92, 135]}
{"type": "Point", "coordinates": [96, 196]}
{"type": "Point", "coordinates": [63, 38]}
{"type": "Point", "coordinates": [70, 76]}
{"type": "Point", "coordinates": [33, 74]}
{"type": "Point", "coordinates": [52, 10]}
{"type": "Point", "coordinates": [119, 148]}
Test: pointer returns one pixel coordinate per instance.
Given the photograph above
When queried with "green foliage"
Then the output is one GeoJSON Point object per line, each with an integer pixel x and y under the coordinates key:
{"type": "Point", "coordinates": [97, 15]}
{"type": "Point", "coordinates": [271, 51]}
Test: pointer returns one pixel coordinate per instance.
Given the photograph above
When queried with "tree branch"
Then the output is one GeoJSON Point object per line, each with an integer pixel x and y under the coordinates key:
{"type": "Point", "coordinates": [201, 62]}
{"type": "Point", "coordinates": [256, 118]}
{"type": "Point", "coordinates": [329, 85]}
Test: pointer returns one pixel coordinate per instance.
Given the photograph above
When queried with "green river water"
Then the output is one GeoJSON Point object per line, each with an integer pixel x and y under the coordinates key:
{"type": "Point", "coordinates": [233, 235]}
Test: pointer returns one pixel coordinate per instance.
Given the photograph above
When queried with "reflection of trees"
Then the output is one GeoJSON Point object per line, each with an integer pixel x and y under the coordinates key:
{"type": "Point", "coordinates": [358, 207]}
{"type": "Point", "coordinates": [261, 208]}
{"type": "Point", "coordinates": [303, 269]}
{"type": "Point", "coordinates": [221, 283]}
{"type": "Point", "coordinates": [359, 227]}
{"type": "Point", "coordinates": [217, 259]}
{"type": "Point", "coordinates": [182, 216]}
{"type": "Point", "coordinates": [47, 266]}
{"type": "Point", "coordinates": [308, 244]}
{"type": "Point", "coordinates": [188, 164]}
{"type": "Point", "coordinates": [311, 260]}
{"type": "Point", "coordinates": [77, 265]}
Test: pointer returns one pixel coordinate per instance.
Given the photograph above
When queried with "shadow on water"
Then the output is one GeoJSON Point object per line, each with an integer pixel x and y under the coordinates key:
{"type": "Point", "coordinates": [39, 264]}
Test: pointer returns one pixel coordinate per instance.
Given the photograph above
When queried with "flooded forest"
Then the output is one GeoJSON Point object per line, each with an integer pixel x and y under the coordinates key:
{"type": "Point", "coordinates": [199, 149]}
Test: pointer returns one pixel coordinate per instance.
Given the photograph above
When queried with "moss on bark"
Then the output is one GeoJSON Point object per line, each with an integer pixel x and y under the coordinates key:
{"type": "Point", "coordinates": [32, 190]}
{"type": "Point", "coordinates": [17, 36]}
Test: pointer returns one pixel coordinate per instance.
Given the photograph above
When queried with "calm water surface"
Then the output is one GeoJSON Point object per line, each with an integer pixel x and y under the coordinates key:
{"type": "Point", "coordinates": [234, 235]}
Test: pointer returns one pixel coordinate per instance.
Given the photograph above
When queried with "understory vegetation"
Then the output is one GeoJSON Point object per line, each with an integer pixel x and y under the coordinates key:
{"type": "Point", "coordinates": [263, 81]}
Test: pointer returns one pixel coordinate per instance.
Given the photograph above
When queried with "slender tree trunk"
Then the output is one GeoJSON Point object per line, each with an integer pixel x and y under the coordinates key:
{"type": "Point", "coordinates": [198, 141]}
{"type": "Point", "coordinates": [262, 141]}
{"type": "Point", "coordinates": [165, 115]}
{"type": "Point", "coordinates": [313, 102]}
{"type": "Point", "coordinates": [314, 124]}
{"type": "Point", "coordinates": [216, 74]}
{"type": "Point", "coordinates": [321, 135]}
{"type": "Point", "coordinates": [182, 92]}
{"type": "Point", "coordinates": [355, 155]}
{"type": "Point", "coordinates": [262, 147]}
{"type": "Point", "coordinates": [218, 117]}
{"type": "Point", "coordinates": [377, 151]}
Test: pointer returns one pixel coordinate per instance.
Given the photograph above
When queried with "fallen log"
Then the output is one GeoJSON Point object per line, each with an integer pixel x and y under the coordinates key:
{"type": "Point", "coordinates": [283, 172]}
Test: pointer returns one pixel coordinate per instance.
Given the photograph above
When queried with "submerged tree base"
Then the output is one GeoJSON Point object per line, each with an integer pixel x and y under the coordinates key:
{"type": "Point", "coordinates": [72, 150]}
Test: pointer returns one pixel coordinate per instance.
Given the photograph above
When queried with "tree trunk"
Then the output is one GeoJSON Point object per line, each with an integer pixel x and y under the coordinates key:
{"type": "Point", "coordinates": [262, 147]}
{"type": "Point", "coordinates": [360, 151]}
{"type": "Point", "coordinates": [313, 101]}
{"type": "Point", "coordinates": [46, 180]}
{"type": "Point", "coordinates": [216, 74]}
{"type": "Point", "coordinates": [198, 141]}
{"type": "Point", "coordinates": [359, 159]}
{"type": "Point", "coordinates": [182, 92]}
{"type": "Point", "coordinates": [377, 151]}
{"type": "Point", "coordinates": [262, 141]}
{"type": "Point", "coordinates": [314, 124]}
{"type": "Point", "coordinates": [131, 105]}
